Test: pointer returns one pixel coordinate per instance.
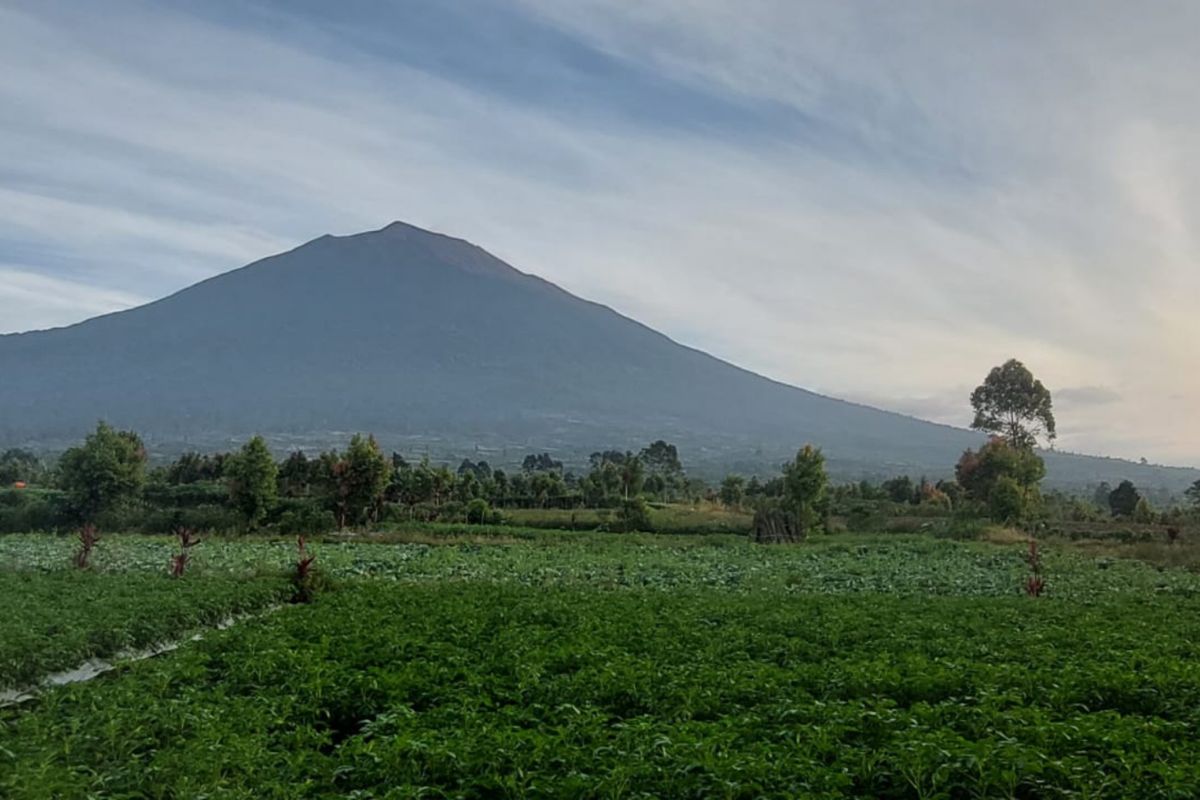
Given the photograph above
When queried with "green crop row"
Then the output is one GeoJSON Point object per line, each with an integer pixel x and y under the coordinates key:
{"type": "Point", "coordinates": [473, 690]}
{"type": "Point", "coordinates": [55, 621]}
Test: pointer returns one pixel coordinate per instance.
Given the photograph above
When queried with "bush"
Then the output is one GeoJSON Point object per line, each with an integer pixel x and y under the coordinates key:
{"type": "Point", "coordinates": [202, 519]}
{"type": "Point", "coordinates": [478, 511]}
{"type": "Point", "coordinates": [962, 527]}
{"type": "Point", "coordinates": [186, 495]}
{"type": "Point", "coordinates": [305, 518]}
{"type": "Point", "coordinates": [865, 515]}
{"type": "Point", "coordinates": [28, 510]}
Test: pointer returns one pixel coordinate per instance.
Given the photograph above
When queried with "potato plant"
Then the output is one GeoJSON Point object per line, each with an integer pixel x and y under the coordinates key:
{"type": "Point", "coordinates": [484, 690]}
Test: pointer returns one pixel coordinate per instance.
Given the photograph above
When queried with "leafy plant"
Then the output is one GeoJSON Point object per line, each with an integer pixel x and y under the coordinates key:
{"type": "Point", "coordinates": [1035, 584]}
{"type": "Point", "coordinates": [88, 538]}
{"type": "Point", "coordinates": [179, 561]}
{"type": "Point", "coordinates": [303, 575]}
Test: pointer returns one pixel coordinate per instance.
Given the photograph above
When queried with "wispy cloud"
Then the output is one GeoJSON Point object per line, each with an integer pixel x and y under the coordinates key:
{"type": "Point", "coordinates": [33, 301]}
{"type": "Point", "coordinates": [878, 202]}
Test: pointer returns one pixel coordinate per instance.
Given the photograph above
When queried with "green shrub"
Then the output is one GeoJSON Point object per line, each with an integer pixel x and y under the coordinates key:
{"type": "Point", "coordinates": [1006, 503]}
{"type": "Point", "coordinates": [30, 510]}
{"type": "Point", "coordinates": [305, 518]}
{"type": "Point", "coordinates": [478, 511]}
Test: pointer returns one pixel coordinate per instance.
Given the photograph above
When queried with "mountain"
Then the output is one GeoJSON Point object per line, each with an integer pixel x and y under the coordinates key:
{"type": "Point", "coordinates": [437, 346]}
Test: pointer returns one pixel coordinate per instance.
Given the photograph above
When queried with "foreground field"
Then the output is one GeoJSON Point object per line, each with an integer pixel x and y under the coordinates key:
{"type": "Point", "coordinates": [639, 667]}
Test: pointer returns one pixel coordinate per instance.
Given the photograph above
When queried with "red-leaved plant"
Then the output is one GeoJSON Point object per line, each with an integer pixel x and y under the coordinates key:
{"type": "Point", "coordinates": [179, 561]}
{"type": "Point", "coordinates": [88, 537]}
{"type": "Point", "coordinates": [303, 574]}
{"type": "Point", "coordinates": [1035, 584]}
{"type": "Point", "coordinates": [303, 560]}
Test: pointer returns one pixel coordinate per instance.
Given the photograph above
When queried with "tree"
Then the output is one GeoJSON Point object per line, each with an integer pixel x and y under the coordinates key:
{"type": "Point", "coordinates": [253, 481]}
{"type": "Point", "coordinates": [297, 474]}
{"type": "Point", "coordinates": [633, 515]}
{"type": "Point", "coordinates": [1193, 495]}
{"type": "Point", "coordinates": [1142, 512]}
{"type": "Point", "coordinates": [952, 492]}
{"type": "Point", "coordinates": [664, 470]}
{"type": "Point", "coordinates": [467, 488]}
{"type": "Point", "coordinates": [804, 487]}
{"type": "Point", "coordinates": [801, 504]}
{"type": "Point", "coordinates": [900, 489]}
{"type": "Point", "coordinates": [546, 485]}
{"type": "Point", "coordinates": [633, 475]}
{"type": "Point", "coordinates": [540, 462]}
{"type": "Point", "coordinates": [1123, 501]}
{"type": "Point", "coordinates": [107, 471]}
{"type": "Point", "coordinates": [19, 465]}
{"type": "Point", "coordinates": [357, 481]}
{"type": "Point", "coordinates": [1013, 404]}
{"type": "Point", "coordinates": [978, 473]}
{"type": "Point", "coordinates": [194, 467]}
{"type": "Point", "coordinates": [602, 457]}
{"type": "Point", "coordinates": [733, 491]}
{"type": "Point", "coordinates": [661, 458]}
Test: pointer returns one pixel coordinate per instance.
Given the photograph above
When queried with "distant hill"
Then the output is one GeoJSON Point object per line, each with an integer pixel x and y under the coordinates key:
{"type": "Point", "coordinates": [437, 346]}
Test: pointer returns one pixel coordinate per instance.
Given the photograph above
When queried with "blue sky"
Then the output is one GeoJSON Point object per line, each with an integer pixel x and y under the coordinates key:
{"type": "Point", "coordinates": [875, 200]}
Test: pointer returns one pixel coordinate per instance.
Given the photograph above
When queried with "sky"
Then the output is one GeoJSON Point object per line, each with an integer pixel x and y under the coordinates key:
{"type": "Point", "coordinates": [878, 201]}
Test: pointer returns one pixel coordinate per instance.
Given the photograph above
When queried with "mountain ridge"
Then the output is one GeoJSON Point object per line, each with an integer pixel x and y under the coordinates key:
{"type": "Point", "coordinates": [428, 339]}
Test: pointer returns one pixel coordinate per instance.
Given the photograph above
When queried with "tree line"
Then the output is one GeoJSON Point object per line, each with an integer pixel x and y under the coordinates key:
{"type": "Point", "coordinates": [106, 479]}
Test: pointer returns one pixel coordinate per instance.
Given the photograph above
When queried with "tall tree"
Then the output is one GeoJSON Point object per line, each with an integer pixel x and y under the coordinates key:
{"type": "Point", "coordinates": [253, 480]}
{"type": "Point", "coordinates": [297, 474]}
{"type": "Point", "coordinates": [105, 472]}
{"type": "Point", "coordinates": [664, 470]}
{"type": "Point", "coordinates": [633, 475]}
{"type": "Point", "coordinates": [1124, 499]}
{"type": "Point", "coordinates": [1012, 403]}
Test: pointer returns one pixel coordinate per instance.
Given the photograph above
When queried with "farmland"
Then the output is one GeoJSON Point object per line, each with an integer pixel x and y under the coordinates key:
{"type": "Point", "coordinates": [551, 664]}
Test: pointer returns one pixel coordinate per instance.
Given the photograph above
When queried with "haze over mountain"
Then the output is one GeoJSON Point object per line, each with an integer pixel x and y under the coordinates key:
{"type": "Point", "coordinates": [437, 346]}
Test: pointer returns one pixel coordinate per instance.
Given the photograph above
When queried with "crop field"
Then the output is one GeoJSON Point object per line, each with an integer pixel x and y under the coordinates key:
{"type": "Point", "coordinates": [608, 666]}
{"type": "Point", "coordinates": [55, 621]}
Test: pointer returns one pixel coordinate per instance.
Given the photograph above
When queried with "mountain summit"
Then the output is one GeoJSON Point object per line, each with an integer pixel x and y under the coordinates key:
{"type": "Point", "coordinates": [433, 344]}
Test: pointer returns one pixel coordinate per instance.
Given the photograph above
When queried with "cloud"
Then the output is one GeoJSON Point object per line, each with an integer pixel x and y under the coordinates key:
{"type": "Point", "coordinates": [33, 301]}
{"type": "Point", "coordinates": [1086, 396]}
{"type": "Point", "coordinates": [873, 202]}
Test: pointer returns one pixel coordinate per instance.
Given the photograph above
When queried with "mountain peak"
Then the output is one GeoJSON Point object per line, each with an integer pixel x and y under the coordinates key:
{"type": "Point", "coordinates": [401, 228]}
{"type": "Point", "coordinates": [406, 241]}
